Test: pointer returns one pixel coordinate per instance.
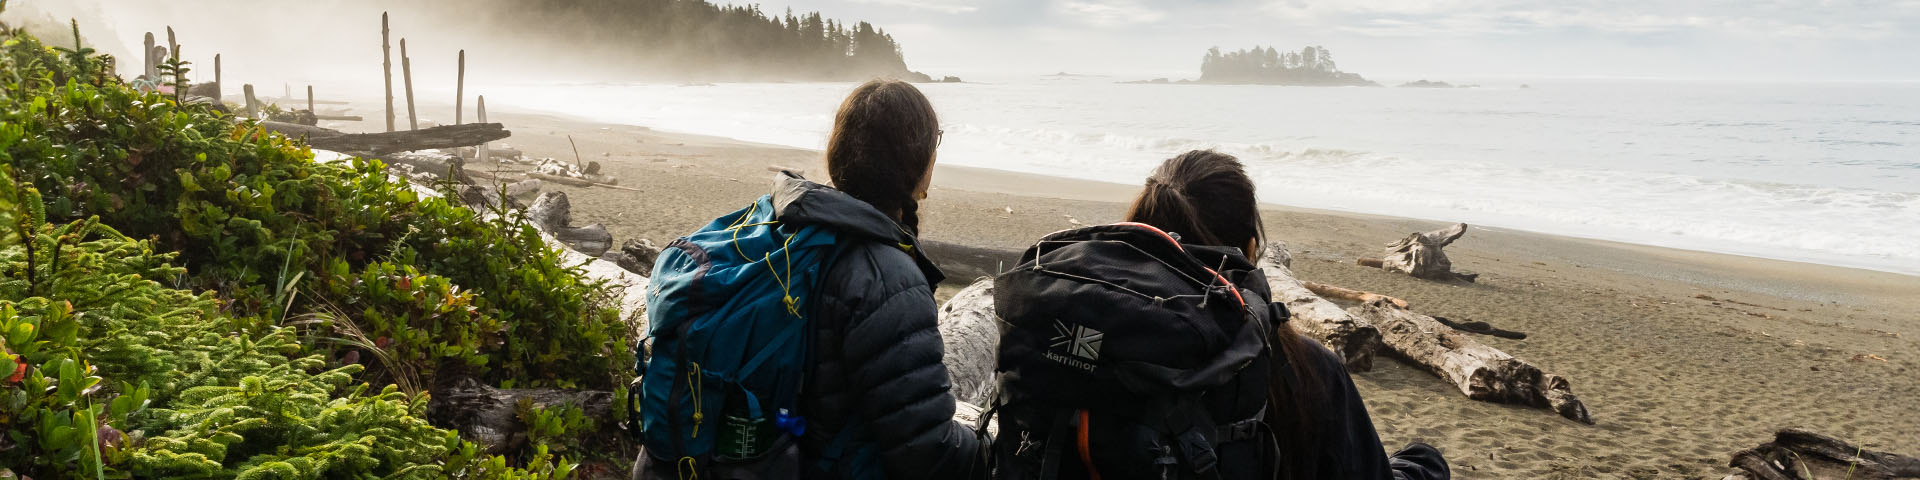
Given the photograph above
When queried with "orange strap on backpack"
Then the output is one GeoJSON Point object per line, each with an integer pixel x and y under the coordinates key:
{"type": "Point", "coordinates": [1086, 452]}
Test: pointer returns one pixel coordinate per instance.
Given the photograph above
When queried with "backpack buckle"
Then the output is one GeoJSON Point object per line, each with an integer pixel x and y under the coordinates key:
{"type": "Point", "coordinates": [1198, 451]}
{"type": "Point", "coordinates": [1238, 431]}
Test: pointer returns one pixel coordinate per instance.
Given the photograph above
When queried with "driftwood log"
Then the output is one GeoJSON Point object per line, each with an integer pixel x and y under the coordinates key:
{"type": "Point", "coordinates": [1482, 372]}
{"type": "Point", "coordinates": [553, 214]}
{"type": "Point", "coordinates": [374, 144]}
{"type": "Point", "coordinates": [1420, 255]}
{"type": "Point", "coordinates": [1353, 338]}
{"type": "Point", "coordinates": [1796, 454]}
{"type": "Point", "coordinates": [491, 416]}
{"type": "Point", "coordinates": [439, 166]}
{"type": "Point", "coordinates": [961, 261]}
{"type": "Point", "coordinates": [971, 333]}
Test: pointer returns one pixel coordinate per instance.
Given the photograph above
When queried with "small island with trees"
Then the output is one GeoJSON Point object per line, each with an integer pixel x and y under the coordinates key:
{"type": "Point", "coordinates": [1311, 66]}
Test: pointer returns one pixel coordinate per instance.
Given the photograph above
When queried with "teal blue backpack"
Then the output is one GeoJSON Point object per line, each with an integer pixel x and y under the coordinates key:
{"type": "Point", "coordinates": [726, 313]}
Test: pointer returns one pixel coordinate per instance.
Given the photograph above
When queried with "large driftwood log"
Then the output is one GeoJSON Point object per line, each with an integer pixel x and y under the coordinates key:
{"type": "Point", "coordinates": [971, 333]}
{"type": "Point", "coordinates": [1482, 372]}
{"type": "Point", "coordinates": [1796, 454]}
{"type": "Point", "coordinates": [491, 416]}
{"type": "Point", "coordinates": [965, 261]}
{"type": "Point", "coordinates": [1353, 338]}
{"type": "Point", "coordinates": [554, 215]}
{"type": "Point", "coordinates": [436, 164]}
{"type": "Point", "coordinates": [1421, 255]}
{"type": "Point", "coordinates": [1330, 291]}
{"type": "Point", "coordinates": [373, 144]}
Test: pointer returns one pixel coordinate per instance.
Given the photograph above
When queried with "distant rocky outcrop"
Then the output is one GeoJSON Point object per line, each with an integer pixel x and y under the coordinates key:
{"type": "Point", "coordinates": [1424, 83]}
{"type": "Point", "coordinates": [1311, 66]}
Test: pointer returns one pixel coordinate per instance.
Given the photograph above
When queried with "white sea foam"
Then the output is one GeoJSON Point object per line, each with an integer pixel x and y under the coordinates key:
{"type": "Point", "coordinates": [1821, 173]}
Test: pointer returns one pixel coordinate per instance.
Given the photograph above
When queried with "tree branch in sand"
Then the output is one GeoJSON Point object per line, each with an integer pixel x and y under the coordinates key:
{"type": "Point", "coordinates": [1353, 338]}
{"type": "Point", "coordinates": [1796, 454]}
{"type": "Point", "coordinates": [491, 416]}
{"type": "Point", "coordinates": [1482, 372]}
{"type": "Point", "coordinates": [374, 144]}
{"type": "Point", "coordinates": [1329, 291]}
{"type": "Point", "coordinates": [1420, 255]}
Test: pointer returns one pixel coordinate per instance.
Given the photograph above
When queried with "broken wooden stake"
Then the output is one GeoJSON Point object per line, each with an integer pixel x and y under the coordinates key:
{"type": "Point", "coordinates": [386, 67]}
{"type": "Point", "coordinates": [406, 76]}
{"type": "Point", "coordinates": [253, 105]}
{"type": "Point", "coordinates": [460, 88]}
{"type": "Point", "coordinates": [310, 102]}
{"type": "Point", "coordinates": [480, 112]}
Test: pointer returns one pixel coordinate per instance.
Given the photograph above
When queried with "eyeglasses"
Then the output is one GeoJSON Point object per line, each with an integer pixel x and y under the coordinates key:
{"type": "Point", "coordinates": [939, 136]}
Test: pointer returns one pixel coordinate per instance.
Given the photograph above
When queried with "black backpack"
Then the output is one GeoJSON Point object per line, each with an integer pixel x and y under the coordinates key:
{"type": "Point", "coordinates": [1122, 356]}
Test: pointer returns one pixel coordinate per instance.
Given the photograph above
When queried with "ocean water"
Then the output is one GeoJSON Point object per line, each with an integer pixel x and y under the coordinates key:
{"type": "Point", "coordinates": [1824, 173]}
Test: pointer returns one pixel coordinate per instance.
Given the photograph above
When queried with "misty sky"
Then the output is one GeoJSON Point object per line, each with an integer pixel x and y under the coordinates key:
{"type": "Point", "coordinates": [1404, 39]}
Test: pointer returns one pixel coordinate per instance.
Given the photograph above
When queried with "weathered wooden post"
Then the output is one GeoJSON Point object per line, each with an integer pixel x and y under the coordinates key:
{"type": "Point", "coordinates": [386, 67]}
{"type": "Point", "coordinates": [310, 101]}
{"type": "Point", "coordinates": [253, 106]}
{"type": "Point", "coordinates": [172, 46]}
{"type": "Point", "coordinates": [217, 86]}
{"type": "Point", "coordinates": [406, 76]}
{"type": "Point", "coordinates": [480, 108]}
{"type": "Point", "coordinates": [460, 88]}
{"type": "Point", "coordinates": [151, 71]}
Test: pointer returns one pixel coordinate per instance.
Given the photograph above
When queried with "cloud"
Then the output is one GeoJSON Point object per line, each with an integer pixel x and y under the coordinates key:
{"type": "Point", "coordinates": [942, 6]}
{"type": "Point", "coordinates": [1108, 13]}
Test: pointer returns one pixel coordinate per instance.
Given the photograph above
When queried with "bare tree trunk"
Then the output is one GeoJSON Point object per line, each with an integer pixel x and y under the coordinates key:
{"type": "Point", "coordinates": [148, 68]}
{"type": "Point", "coordinates": [971, 333]}
{"type": "Point", "coordinates": [1797, 454]}
{"type": "Point", "coordinates": [310, 109]}
{"type": "Point", "coordinates": [1353, 338]}
{"type": "Point", "coordinates": [480, 109]}
{"type": "Point", "coordinates": [216, 79]}
{"type": "Point", "coordinates": [253, 105]}
{"type": "Point", "coordinates": [1481, 372]}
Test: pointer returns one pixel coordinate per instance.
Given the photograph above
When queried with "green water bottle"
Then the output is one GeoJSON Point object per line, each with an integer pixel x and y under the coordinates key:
{"type": "Point", "coordinates": [743, 433]}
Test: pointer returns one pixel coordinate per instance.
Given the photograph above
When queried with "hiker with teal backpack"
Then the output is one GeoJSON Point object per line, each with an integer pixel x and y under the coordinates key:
{"type": "Point", "coordinates": [797, 337]}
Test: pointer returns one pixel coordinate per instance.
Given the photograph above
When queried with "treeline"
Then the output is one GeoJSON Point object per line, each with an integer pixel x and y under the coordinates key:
{"type": "Point", "coordinates": [1312, 65]}
{"type": "Point", "coordinates": [695, 39]}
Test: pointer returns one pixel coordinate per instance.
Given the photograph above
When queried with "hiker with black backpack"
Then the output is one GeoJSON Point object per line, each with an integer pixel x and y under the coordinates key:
{"type": "Point", "coordinates": [1149, 350]}
{"type": "Point", "coordinates": [797, 338]}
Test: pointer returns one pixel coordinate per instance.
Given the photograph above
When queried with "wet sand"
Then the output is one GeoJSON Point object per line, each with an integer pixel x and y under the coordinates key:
{"type": "Point", "coordinates": [1682, 357]}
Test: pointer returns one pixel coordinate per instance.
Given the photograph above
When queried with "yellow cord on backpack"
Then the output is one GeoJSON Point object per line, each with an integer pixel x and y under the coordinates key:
{"type": "Point", "coordinates": [693, 377]}
{"type": "Point", "coordinates": [687, 469]}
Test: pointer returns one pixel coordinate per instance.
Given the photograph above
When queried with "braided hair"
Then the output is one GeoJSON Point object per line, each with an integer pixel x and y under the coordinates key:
{"type": "Point", "coordinates": [882, 146]}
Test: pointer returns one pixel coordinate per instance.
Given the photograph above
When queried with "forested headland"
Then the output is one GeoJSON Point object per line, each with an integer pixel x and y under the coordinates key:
{"type": "Point", "coordinates": [1311, 66]}
{"type": "Point", "coordinates": [692, 39]}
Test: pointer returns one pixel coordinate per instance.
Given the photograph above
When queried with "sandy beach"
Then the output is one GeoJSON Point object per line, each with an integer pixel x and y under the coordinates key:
{"type": "Point", "coordinates": [1682, 357]}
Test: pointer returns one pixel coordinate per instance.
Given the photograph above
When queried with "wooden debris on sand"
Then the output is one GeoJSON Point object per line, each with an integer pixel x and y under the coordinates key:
{"type": "Point", "coordinates": [1350, 337]}
{"type": "Point", "coordinates": [491, 416]}
{"type": "Point", "coordinates": [553, 214]}
{"type": "Point", "coordinates": [1420, 255]}
{"type": "Point", "coordinates": [375, 144]}
{"type": "Point", "coordinates": [1797, 454]}
{"type": "Point", "coordinates": [1481, 372]}
{"type": "Point", "coordinates": [971, 332]}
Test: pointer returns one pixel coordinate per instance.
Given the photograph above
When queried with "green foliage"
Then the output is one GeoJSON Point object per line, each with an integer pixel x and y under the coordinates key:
{"type": "Point", "coordinates": [251, 313]}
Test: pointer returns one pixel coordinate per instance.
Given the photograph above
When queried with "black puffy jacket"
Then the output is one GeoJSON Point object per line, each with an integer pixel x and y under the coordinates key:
{"type": "Point", "coordinates": [876, 347]}
{"type": "Point", "coordinates": [1342, 442]}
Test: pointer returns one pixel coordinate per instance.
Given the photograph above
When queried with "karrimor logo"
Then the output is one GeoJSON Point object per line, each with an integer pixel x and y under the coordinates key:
{"type": "Point", "coordinates": [1075, 345]}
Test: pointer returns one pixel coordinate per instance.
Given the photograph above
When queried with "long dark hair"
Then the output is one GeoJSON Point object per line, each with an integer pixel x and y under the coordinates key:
{"type": "Point", "coordinates": [1207, 198]}
{"type": "Point", "coordinates": [882, 145]}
